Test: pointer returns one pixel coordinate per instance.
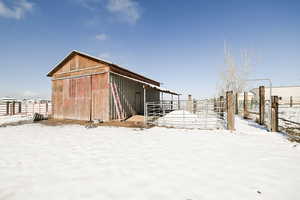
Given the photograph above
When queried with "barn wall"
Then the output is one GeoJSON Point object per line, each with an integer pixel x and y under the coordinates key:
{"type": "Point", "coordinates": [79, 65]}
{"type": "Point", "coordinates": [152, 95]}
{"type": "Point", "coordinates": [80, 90]}
{"type": "Point", "coordinates": [131, 94]}
{"type": "Point", "coordinates": [100, 94]}
{"type": "Point", "coordinates": [81, 98]}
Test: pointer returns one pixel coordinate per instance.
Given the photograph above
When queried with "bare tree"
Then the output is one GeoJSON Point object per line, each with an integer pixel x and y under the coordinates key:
{"type": "Point", "coordinates": [234, 76]}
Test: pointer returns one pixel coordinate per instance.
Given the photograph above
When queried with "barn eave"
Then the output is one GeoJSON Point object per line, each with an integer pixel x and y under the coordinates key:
{"type": "Point", "coordinates": [74, 52]}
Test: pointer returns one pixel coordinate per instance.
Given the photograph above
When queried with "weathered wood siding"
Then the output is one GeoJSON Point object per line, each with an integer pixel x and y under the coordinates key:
{"type": "Point", "coordinates": [79, 95]}
{"type": "Point", "coordinates": [100, 93]}
{"type": "Point", "coordinates": [81, 90]}
{"type": "Point", "coordinates": [131, 95]}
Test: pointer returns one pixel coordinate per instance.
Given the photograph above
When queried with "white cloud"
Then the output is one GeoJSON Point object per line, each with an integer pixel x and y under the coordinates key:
{"type": "Point", "coordinates": [17, 10]}
{"type": "Point", "coordinates": [90, 4]}
{"type": "Point", "coordinates": [104, 55]}
{"type": "Point", "coordinates": [101, 37]}
{"type": "Point", "coordinates": [127, 9]}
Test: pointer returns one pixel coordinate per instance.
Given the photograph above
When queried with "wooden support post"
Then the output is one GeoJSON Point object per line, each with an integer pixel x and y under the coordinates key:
{"type": "Point", "coordinates": [145, 108]}
{"type": "Point", "coordinates": [291, 101]}
{"type": "Point", "coordinates": [237, 103]}
{"type": "Point", "coordinates": [7, 108]}
{"type": "Point", "coordinates": [194, 106]}
{"type": "Point", "coordinates": [47, 107]}
{"type": "Point", "coordinates": [13, 108]}
{"type": "Point", "coordinates": [215, 105]}
{"type": "Point", "coordinates": [230, 110]}
{"type": "Point", "coordinates": [261, 105]}
{"type": "Point", "coordinates": [20, 107]}
{"type": "Point", "coordinates": [274, 114]}
{"type": "Point", "coordinates": [171, 101]}
{"type": "Point", "coordinates": [190, 103]}
{"type": "Point", "coordinates": [246, 114]}
{"type": "Point", "coordinates": [221, 106]}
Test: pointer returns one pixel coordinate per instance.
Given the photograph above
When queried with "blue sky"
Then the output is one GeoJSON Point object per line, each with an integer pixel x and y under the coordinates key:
{"type": "Point", "coordinates": [177, 42]}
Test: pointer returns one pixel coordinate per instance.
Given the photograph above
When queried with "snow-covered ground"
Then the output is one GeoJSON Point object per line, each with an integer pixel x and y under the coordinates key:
{"type": "Point", "coordinates": [72, 162]}
{"type": "Point", "coordinates": [182, 119]}
{"type": "Point", "coordinates": [14, 118]}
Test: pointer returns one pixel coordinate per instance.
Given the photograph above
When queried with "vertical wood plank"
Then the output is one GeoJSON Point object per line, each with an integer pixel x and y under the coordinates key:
{"type": "Point", "coordinates": [237, 103]}
{"type": "Point", "coordinates": [246, 114]}
{"type": "Point", "coordinates": [7, 108]}
{"type": "Point", "coordinates": [20, 107]}
{"type": "Point", "coordinates": [261, 105]}
{"type": "Point", "coordinates": [274, 116]}
{"type": "Point", "coordinates": [230, 110]}
{"type": "Point", "coordinates": [221, 106]}
{"type": "Point", "coordinates": [13, 108]}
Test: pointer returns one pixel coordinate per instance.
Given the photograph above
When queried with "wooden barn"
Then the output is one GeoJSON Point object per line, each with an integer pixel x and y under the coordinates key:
{"type": "Point", "coordinates": [88, 88]}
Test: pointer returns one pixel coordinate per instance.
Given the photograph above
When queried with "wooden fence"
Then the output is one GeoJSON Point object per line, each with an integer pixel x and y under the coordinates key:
{"type": "Point", "coordinates": [285, 116]}
{"type": "Point", "coordinates": [25, 108]}
{"type": "Point", "coordinates": [259, 109]}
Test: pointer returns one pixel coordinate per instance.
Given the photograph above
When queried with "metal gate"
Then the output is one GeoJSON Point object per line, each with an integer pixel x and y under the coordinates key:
{"type": "Point", "coordinates": [248, 104]}
{"type": "Point", "coordinates": [195, 114]}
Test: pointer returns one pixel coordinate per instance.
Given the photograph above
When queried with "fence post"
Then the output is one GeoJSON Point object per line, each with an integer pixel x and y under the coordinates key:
{"type": "Point", "coordinates": [190, 104]}
{"type": "Point", "coordinates": [194, 103]}
{"type": "Point", "coordinates": [7, 108]}
{"type": "Point", "coordinates": [291, 101]}
{"type": "Point", "coordinates": [47, 108]}
{"type": "Point", "coordinates": [237, 103]}
{"type": "Point", "coordinates": [221, 106]}
{"type": "Point", "coordinates": [246, 114]}
{"type": "Point", "coordinates": [13, 108]}
{"type": "Point", "coordinates": [172, 102]}
{"type": "Point", "coordinates": [215, 104]}
{"type": "Point", "coordinates": [20, 107]}
{"type": "Point", "coordinates": [274, 114]}
{"type": "Point", "coordinates": [230, 110]}
{"type": "Point", "coordinates": [261, 105]}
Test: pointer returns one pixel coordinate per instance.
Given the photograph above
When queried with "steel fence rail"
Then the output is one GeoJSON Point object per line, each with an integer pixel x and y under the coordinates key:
{"type": "Point", "coordinates": [289, 120]}
{"type": "Point", "coordinates": [200, 114]}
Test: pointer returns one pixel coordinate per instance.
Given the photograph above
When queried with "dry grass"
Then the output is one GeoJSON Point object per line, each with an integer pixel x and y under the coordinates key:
{"type": "Point", "coordinates": [16, 123]}
{"type": "Point", "coordinates": [293, 134]}
{"type": "Point", "coordinates": [129, 124]}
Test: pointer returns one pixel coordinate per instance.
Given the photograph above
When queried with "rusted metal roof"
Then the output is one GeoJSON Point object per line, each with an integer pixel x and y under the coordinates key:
{"type": "Point", "coordinates": [64, 60]}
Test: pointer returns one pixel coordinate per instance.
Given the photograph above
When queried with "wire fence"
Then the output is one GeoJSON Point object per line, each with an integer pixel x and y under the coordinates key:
{"type": "Point", "coordinates": [199, 114]}
{"type": "Point", "coordinates": [289, 119]}
{"type": "Point", "coordinates": [253, 110]}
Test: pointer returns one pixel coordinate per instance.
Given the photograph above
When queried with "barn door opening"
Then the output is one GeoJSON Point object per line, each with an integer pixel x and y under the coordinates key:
{"type": "Point", "coordinates": [138, 102]}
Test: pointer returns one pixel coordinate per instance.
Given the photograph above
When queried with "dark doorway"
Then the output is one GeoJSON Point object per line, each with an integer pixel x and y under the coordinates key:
{"type": "Point", "coordinates": [138, 103]}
